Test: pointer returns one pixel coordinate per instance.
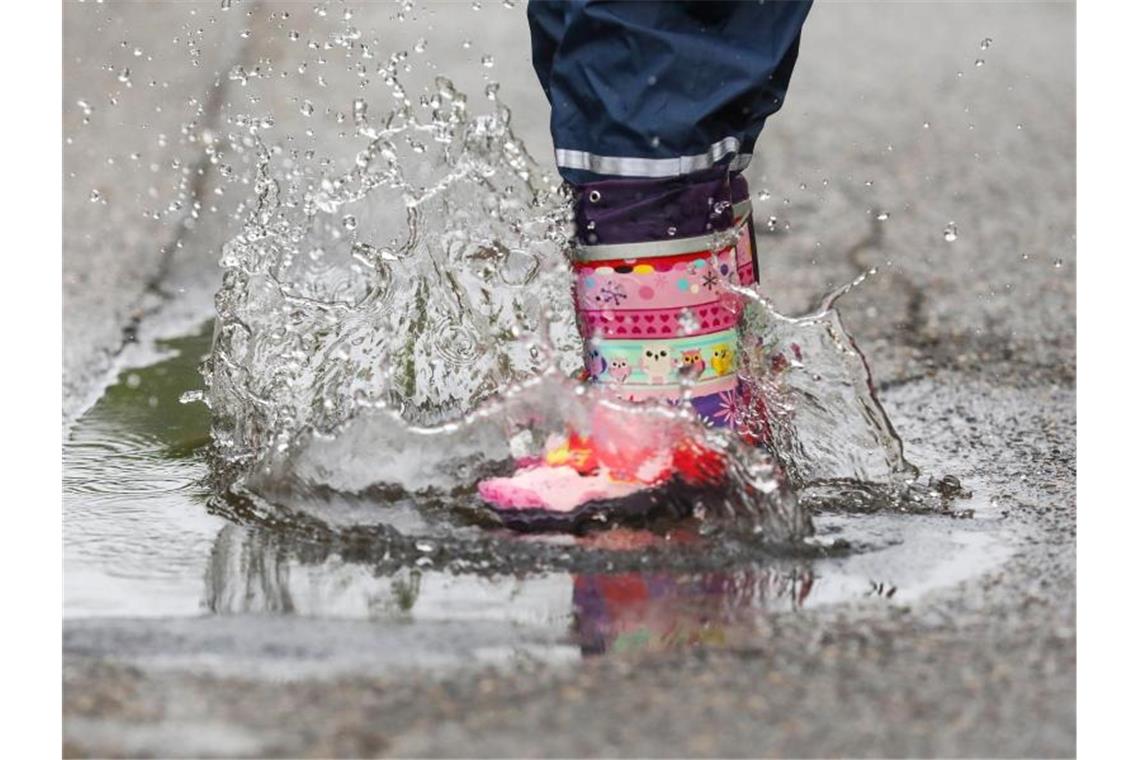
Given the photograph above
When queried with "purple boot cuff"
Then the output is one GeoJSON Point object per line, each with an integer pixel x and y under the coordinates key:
{"type": "Point", "coordinates": [618, 211]}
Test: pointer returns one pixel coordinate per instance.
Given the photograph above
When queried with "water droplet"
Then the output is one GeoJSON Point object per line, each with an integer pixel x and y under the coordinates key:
{"type": "Point", "coordinates": [671, 231]}
{"type": "Point", "coordinates": [420, 46]}
{"type": "Point", "coordinates": [980, 62]}
{"type": "Point", "coordinates": [655, 141]}
{"type": "Point", "coordinates": [764, 195]}
{"type": "Point", "coordinates": [652, 80]}
{"type": "Point", "coordinates": [883, 216]}
{"type": "Point", "coordinates": [688, 322]}
{"type": "Point", "coordinates": [1057, 263]}
{"type": "Point", "coordinates": [984, 44]}
{"type": "Point", "coordinates": [488, 61]}
{"type": "Point", "coordinates": [125, 76]}
{"type": "Point", "coordinates": [349, 222]}
{"type": "Point", "coordinates": [95, 196]}
{"type": "Point", "coordinates": [307, 108]}
{"type": "Point", "coordinates": [595, 196]}
{"type": "Point", "coordinates": [950, 234]}
{"type": "Point", "coordinates": [926, 125]}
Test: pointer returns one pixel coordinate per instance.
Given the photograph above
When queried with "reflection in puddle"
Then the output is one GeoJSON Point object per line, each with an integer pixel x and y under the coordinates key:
{"type": "Point", "coordinates": [250, 572]}
{"type": "Point", "coordinates": [660, 611]}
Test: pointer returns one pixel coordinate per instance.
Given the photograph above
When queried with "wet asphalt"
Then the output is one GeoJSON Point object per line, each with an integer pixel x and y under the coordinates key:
{"type": "Point", "coordinates": [972, 342]}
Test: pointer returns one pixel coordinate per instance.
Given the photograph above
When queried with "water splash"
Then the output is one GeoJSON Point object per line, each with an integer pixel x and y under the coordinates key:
{"type": "Point", "coordinates": [407, 325]}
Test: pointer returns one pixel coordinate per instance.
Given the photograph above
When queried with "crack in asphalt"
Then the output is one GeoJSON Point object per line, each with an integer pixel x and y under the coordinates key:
{"type": "Point", "coordinates": [200, 176]}
{"type": "Point", "coordinates": [154, 296]}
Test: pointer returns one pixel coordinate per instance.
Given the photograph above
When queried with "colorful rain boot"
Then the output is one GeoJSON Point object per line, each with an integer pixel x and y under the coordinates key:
{"type": "Point", "coordinates": [650, 269]}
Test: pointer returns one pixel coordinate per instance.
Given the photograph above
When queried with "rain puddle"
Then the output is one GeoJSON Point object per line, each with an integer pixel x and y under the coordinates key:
{"type": "Point", "coordinates": [147, 535]}
{"type": "Point", "coordinates": [388, 335]}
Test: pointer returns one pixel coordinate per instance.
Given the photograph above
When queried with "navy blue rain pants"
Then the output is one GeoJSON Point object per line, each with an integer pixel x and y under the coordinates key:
{"type": "Point", "coordinates": [661, 89]}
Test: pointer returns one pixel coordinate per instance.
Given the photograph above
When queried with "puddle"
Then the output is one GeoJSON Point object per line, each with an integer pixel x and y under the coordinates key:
{"type": "Point", "coordinates": [145, 537]}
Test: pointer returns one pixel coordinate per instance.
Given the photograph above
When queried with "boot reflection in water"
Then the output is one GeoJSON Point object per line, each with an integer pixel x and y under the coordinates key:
{"type": "Point", "coordinates": [663, 611]}
{"type": "Point", "coordinates": [655, 110]}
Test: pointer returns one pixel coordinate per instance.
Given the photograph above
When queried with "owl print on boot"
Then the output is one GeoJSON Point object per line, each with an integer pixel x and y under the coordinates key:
{"type": "Point", "coordinates": [596, 364]}
{"type": "Point", "coordinates": [658, 364]}
{"type": "Point", "coordinates": [723, 359]}
{"type": "Point", "coordinates": [692, 363]}
{"type": "Point", "coordinates": [620, 369]}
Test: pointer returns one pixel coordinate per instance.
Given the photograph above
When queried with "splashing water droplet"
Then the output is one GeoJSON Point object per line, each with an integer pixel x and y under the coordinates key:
{"type": "Point", "coordinates": [432, 347]}
{"type": "Point", "coordinates": [191, 397]}
{"type": "Point", "coordinates": [688, 322]}
{"type": "Point", "coordinates": [360, 112]}
{"type": "Point", "coordinates": [950, 233]}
